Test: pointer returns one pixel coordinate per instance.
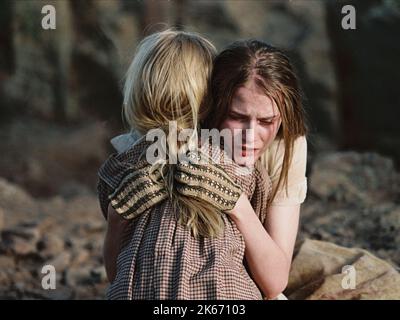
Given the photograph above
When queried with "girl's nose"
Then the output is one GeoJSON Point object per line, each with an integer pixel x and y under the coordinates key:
{"type": "Point", "coordinates": [248, 136]}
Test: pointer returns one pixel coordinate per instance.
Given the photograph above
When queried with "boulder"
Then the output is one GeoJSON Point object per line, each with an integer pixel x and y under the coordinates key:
{"type": "Point", "coordinates": [61, 262]}
{"type": "Point", "coordinates": [21, 240]}
{"type": "Point", "coordinates": [318, 273]}
{"type": "Point", "coordinates": [78, 276]}
{"type": "Point", "coordinates": [15, 204]}
{"type": "Point", "coordinates": [50, 245]}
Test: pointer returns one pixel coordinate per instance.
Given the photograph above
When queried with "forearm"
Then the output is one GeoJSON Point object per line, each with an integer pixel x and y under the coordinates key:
{"type": "Point", "coordinates": [267, 262]}
{"type": "Point", "coordinates": [282, 223]}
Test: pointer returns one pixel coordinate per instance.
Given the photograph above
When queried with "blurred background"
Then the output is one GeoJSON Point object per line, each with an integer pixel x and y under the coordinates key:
{"type": "Point", "coordinates": [60, 104]}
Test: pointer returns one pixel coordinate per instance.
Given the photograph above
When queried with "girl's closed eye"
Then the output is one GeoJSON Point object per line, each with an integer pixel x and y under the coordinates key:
{"type": "Point", "coordinates": [238, 117]}
{"type": "Point", "coordinates": [266, 122]}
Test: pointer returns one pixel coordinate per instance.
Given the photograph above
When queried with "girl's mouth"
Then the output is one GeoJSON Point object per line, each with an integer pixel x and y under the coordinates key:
{"type": "Point", "coordinates": [248, 151]}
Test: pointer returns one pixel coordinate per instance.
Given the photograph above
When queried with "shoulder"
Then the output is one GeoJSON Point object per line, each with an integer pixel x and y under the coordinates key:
{"type": "Point", "coordinates": [278, 146]}
{"type": "Point", "coordinates": [118, 164]}
{"type": "Point", "coordinates": [125, 141]}
{"type": "Point", "coordinates": [276, 152]}
{"type": "Point", "coordinates": [297, 180]}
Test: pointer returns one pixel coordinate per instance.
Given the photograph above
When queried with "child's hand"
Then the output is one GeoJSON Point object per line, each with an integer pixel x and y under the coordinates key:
{"type": "Point", "coordinates": [139, 190]}
{"type": "Point", "coordinates": [208, 182]}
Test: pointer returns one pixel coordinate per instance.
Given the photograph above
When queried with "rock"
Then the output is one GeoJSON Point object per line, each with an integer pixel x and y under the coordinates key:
{"type": "Point", "coordinates": [316, 273]}
{"type": "Point", "coordinates": [374, 228]}
{"type": "Point", "coordinates": [50, 245]}
{"type": "Point", "coordinates": [43, 162]}
{"type": "Point", "coordinates": [61, 261]}
{"type": "Point", "coordinates": [23, 278]}
{"type": "Point", "coordinates": [79, 256]}
{"type": "Point", "coordinates": [85, 276]}
{"type": "Point", "coordinates": [7, 263]}
{"type": "Point", "coordinates": [99, 274]}
{"type": "Point", "coordinates": [1, 219]}
{"type": "Point", "coordinates": [21, 240]}
{"type": "Point", "coordinates": [360, 179]}
{"type": "Point", "coordinates": [369, 118]}
{"type": "Point", "coordinates": [5, 280]}
{"type": "Point", "coordinates": [78, 276]}
{"type": "Point", "coordinates": [13, 196]}
{"type": "Point", "coordinates": [7, 268]}
{"type": "Point", "coordinates": [94, 226]}
{"type": "Point", "coordinates": [76, 243]}
{"type": "Point", "coordinates": [16, 204]}
{"type": "Point", "coordinates": [389, 226]}
{"type": "Point", "coordinates": [71, 189]}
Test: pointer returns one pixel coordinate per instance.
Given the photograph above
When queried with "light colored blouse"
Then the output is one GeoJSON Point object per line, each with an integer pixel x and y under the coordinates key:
{"type": "Point", "coordinates": [273, 157]}
{"type": "Point", "coordinates": [297, 180]}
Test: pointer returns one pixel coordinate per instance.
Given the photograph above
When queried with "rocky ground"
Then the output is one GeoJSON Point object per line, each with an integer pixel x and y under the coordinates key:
{"type": "Point", "coordinates": [354, 200]}
{"type": "Point", "coordinates": [65, 233]}
{"type": "Point", "coordinates": [49, 213]}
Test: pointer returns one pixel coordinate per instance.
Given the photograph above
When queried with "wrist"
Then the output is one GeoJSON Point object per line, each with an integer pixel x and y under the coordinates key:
{"type": "Point", "coordinates": [239, 212]}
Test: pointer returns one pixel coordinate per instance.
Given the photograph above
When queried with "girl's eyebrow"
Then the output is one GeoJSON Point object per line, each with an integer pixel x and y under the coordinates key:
{"type": "Point", "coordinates": [245, 115]}
{"type": "Point", "coordinates": [269, 118]}
{"type": "Point", "coordinates": [238, 113]}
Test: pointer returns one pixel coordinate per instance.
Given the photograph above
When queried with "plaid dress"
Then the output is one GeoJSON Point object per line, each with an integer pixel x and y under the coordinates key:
{"type": "Point", "coordinates": [160, 259]}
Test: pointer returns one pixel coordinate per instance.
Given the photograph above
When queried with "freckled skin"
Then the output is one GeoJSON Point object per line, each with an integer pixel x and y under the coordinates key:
{"type": "Point", "coordinates": [251, 109]}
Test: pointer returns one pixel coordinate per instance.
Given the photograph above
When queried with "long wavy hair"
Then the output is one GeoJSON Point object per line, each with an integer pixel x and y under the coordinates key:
{"type": "Point", "coordinates": [168, 80]}
{"type": "Point", "coordinates": [275, 75]}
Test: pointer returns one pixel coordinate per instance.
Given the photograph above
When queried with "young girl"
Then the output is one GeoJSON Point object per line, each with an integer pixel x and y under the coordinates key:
{"type": "Point", "coordinates": [160, 258]}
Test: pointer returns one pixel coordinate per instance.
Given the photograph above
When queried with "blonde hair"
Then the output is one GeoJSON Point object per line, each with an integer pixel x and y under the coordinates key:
{"type": "Point", "coordinates": [167, 81]}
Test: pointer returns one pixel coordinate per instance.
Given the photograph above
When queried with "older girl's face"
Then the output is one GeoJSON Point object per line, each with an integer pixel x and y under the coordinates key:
{"type": "Point", "coordinates": [251, 109]}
